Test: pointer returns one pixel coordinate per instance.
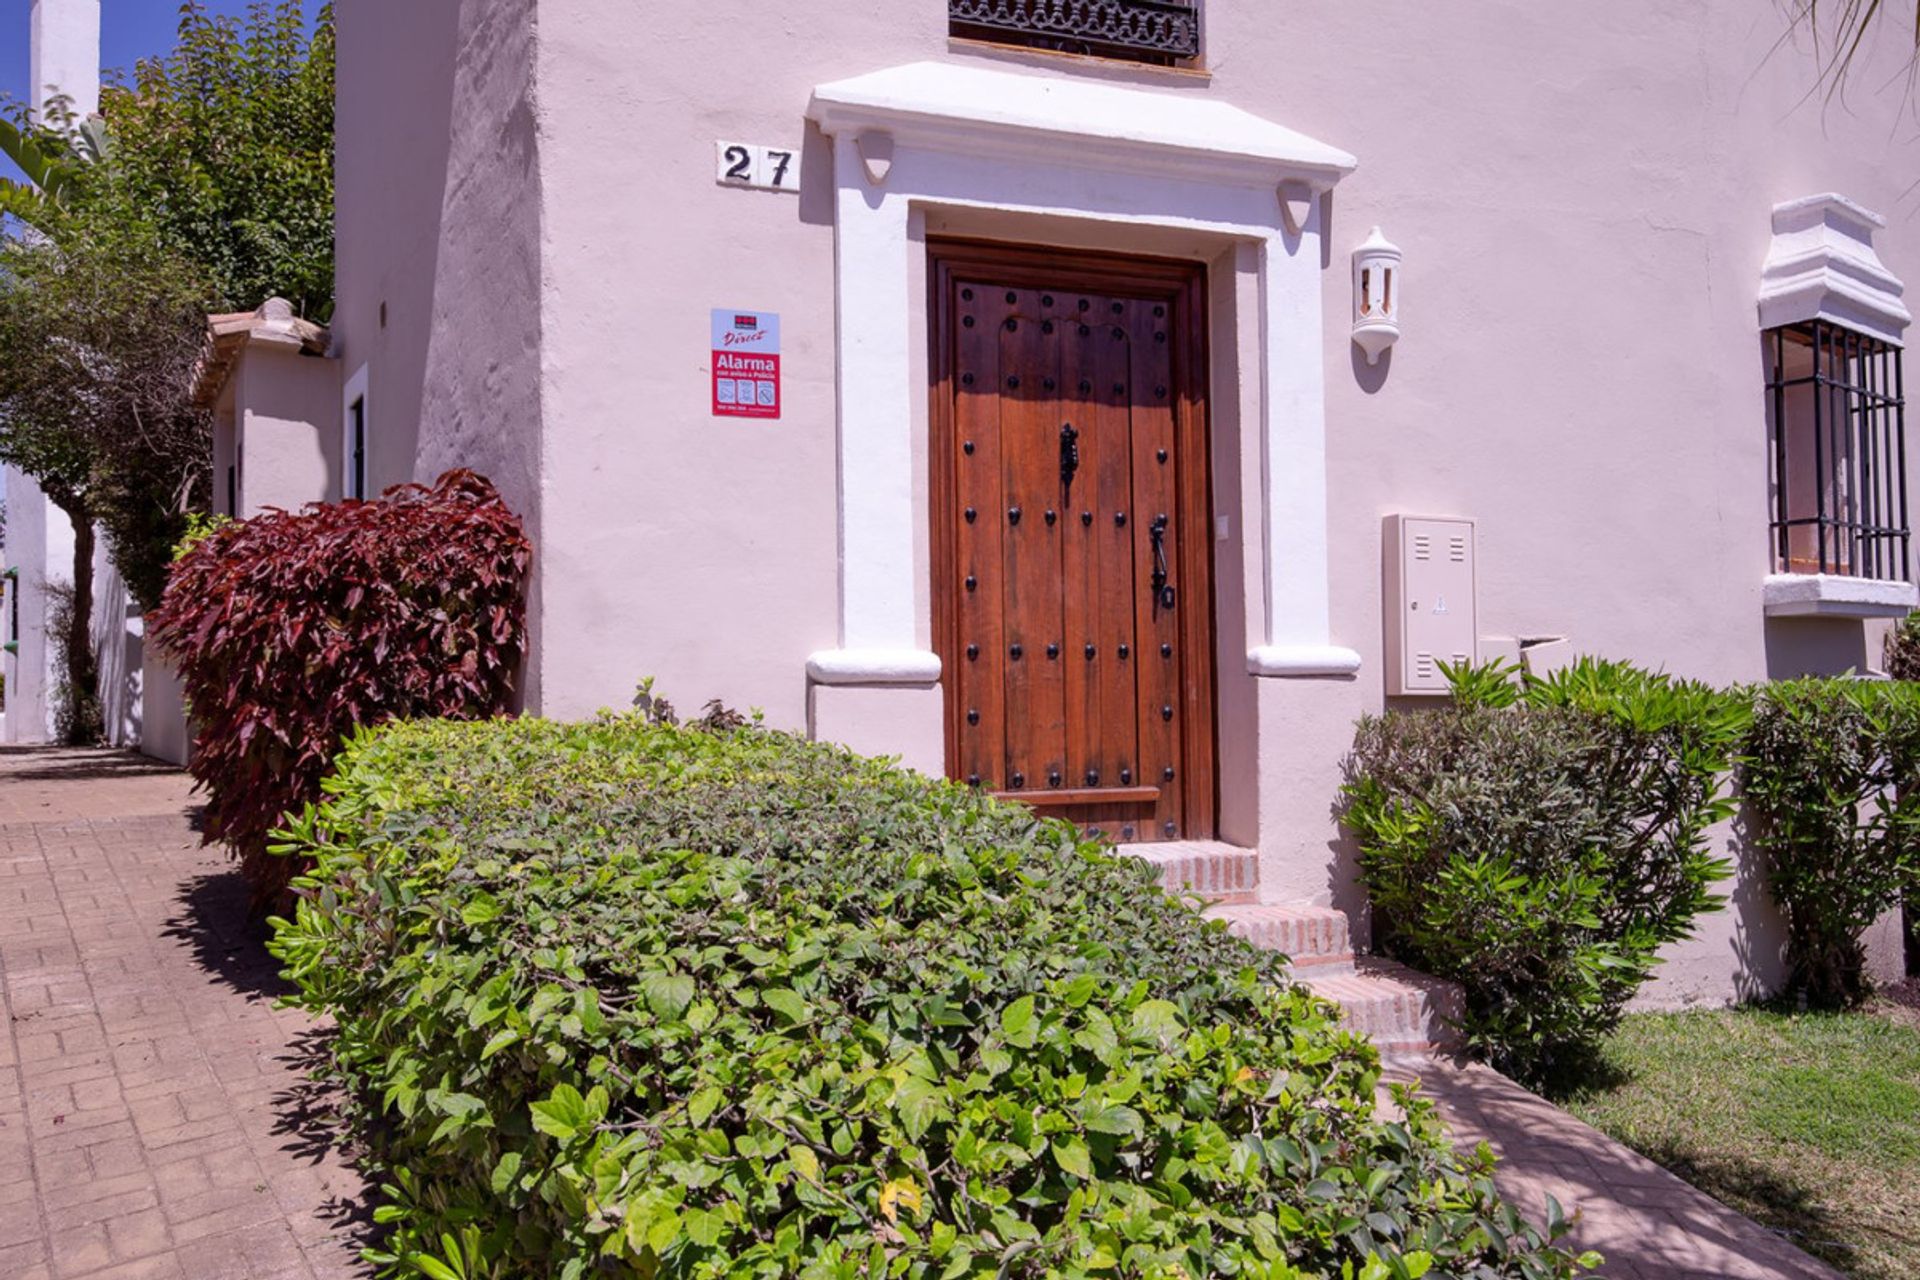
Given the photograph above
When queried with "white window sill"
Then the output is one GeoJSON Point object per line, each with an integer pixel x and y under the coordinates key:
{"type": "Point", "coordinates": [1830, 595]}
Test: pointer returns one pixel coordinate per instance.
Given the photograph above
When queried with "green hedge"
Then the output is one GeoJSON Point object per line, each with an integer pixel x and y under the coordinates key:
{"type": "Point", "coordinates": [1540, 840]}
{"type": "Point", "coordinates": [1830, 775]}
{"type": "Point", "coordinates": [636, 1000]}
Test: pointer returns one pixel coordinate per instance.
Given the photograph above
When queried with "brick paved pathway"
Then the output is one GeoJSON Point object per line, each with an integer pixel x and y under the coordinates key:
{"type": "Point", "coordinates": [1648, 1223]}
{"type": "Point", "coordinates": [154, 1117]}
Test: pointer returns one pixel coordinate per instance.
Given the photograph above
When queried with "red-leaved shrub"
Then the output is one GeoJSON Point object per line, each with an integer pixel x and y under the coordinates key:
{"type": "Point", "coordinates": [292, 629]}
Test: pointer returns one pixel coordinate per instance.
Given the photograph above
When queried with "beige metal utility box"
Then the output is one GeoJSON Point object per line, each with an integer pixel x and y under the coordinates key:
{"type": "Point", "coordinates": [1431, 603]}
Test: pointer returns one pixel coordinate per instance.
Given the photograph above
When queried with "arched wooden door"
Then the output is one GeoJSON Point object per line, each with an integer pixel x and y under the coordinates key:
{"type": "Point", "coordinates": [1072, 587]}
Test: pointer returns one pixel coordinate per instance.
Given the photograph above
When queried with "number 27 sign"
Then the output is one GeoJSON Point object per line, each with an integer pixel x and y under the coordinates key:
{"type": "Point", "coordinates": [742, 164]}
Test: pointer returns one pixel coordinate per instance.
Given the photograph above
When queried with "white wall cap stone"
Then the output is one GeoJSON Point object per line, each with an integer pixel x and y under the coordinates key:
{"type": "Point", "coordinates": [1832, 595]}
{"type": "Point", "coordinates": [1822, 265]}
{"type": "Point", "coordinates": [1302, 660]}
{"type": "Point", "coordinates": [874, 666]}
{"type": "Point", "coordinates": [272, 326]}
{"type": "Point", "coordinates": [952, 106]}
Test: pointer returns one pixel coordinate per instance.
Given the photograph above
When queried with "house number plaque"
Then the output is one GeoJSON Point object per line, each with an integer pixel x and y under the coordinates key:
{"type": "Point", "coordinates": [743, 164]}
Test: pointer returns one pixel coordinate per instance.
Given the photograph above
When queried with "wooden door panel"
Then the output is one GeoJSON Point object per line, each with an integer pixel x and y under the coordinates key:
{"type": "Point", "coordinates": [1156, 504]}
{"type": "Point", "coordinates": [1102, 575]}
{"type": "Point", "coordinates": [1034, 598]}
{"type": "Point", "coordinates": [1075, 685]}
{"type": "Point", "coordinates": [977, 691]}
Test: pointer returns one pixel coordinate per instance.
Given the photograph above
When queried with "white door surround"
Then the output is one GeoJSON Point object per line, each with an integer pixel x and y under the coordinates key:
{"type": "Point", "coordinates": [954, 137]}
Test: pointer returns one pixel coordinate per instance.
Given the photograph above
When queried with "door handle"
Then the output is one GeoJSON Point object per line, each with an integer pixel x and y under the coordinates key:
{"type": "Point", "coordinates": [1069, 455]}
{"type": "Point", "coordinates": [1163, 595]}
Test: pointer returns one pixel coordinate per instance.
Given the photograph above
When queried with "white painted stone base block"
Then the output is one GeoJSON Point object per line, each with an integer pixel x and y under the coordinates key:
{"type": "Point", "coordinates": [164, 732]}
{"type": "Point", "coordinates": [897, 720]}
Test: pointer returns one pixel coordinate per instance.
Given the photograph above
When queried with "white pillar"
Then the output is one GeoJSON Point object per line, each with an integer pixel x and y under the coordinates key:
{"type": "Point", "coordinates": [1298, 622]}
{"type": "Point", "coordinates": [879, 635]}
{"type": "Point", "coordinates": [65, 57]}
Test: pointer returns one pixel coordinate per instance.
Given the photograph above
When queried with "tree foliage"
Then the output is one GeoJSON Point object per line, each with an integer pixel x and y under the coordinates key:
{"type": "Point", "coordinates": [1842, 29]}
{"type": "Point", "coordinates": [99, 343]}
{"type": "Point", "coordinates": [1832, 773]}
{"type": "Point", "coordinates": [205, 184]}
{"type": "Point", "coordinates": [224, 148]}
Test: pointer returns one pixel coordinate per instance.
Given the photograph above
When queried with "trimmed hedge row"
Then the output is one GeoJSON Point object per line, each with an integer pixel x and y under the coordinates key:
{"type": "Point", "coordinates": [623, 998]}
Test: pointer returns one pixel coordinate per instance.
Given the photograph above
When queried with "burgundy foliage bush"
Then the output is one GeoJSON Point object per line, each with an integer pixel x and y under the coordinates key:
{"type": "Point", "coordinates": [291, 629]}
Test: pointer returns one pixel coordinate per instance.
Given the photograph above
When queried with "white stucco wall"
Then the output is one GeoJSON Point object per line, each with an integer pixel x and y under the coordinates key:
{"type": "Point", "coordinates": [39, 549]}
{"type": "Point", "coordinates": [1582, 195]}
{"type": "Point", "coordinates": [440, 294]}
{"type": "Point", "coordinates": [286, 411]}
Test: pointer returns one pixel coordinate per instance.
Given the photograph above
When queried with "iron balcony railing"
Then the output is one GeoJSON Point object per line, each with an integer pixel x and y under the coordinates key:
{"type": "Point", "coordinates": [1156, 31]}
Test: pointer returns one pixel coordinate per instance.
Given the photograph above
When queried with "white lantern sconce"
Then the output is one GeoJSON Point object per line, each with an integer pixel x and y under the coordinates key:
{"type": "Point", "coordinates": [1376, 295]}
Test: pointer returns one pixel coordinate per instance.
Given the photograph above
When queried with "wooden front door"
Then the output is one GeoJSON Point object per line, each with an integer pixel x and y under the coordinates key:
{"type": "Point", "coordinates": [1072, 593]}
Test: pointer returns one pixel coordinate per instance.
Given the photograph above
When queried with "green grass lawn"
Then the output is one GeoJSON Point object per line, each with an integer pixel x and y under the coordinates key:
{"type": "Point", "coordinates": [1808, 1123]}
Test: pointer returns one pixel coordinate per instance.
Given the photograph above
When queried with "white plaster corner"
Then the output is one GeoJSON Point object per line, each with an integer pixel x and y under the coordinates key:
{"type": "Point", "coordinates": [1832, 595]}
{"type": "Point", "coordinates": [874, 666]}
{"type": "Point", "coordinates": [1302, 660]}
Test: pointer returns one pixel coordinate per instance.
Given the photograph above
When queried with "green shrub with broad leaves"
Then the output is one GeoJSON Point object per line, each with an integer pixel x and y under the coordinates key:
{"type": "Point", "coordinates": [1539, 840]}
{"type": "Point", "coordinates": [1830, 773]}
{"type": "Point", "coordinates": [628, 999]}
{"type": "Point", "coordinates": [1902, 648]}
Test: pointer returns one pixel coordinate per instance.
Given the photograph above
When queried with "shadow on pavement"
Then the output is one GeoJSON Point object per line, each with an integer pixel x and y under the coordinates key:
{"type": "Point", "coordinates": [226, 939]}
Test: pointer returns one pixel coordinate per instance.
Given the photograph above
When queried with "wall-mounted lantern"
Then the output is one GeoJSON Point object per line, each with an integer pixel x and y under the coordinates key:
{"type": "Point", "coordinates": [1376, 295]}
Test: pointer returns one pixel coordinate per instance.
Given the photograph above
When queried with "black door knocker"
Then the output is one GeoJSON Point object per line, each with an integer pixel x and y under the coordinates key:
{"type": "Point", "coordinates": [1162, 589]}
{"type": "Point", "coordinates": [1069, 455]}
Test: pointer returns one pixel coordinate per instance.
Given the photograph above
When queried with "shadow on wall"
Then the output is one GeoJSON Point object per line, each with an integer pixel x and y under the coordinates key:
{"type": "Point", "coordinates": [479, 364]}
{"type": "Point", "coordinates": [1759, 941]}
{"type": "Point", "coordinates": [1346, 889]}
{"type": "Point", "coordinates": [118, 643]}
{"type": "Point", "coordinates": [1816, 647]}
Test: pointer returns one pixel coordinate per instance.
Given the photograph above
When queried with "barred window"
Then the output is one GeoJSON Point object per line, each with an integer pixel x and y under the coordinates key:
{"type": "Point", "coordinates": [1837, 422]}
{"type": "Point", "coordinates": [1157, 32]}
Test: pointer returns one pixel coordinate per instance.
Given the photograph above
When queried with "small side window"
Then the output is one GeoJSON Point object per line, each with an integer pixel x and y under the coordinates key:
{"type": "Point", "coordinates": [355, 426]}
{"type": "Point", "coordinates": [357, 448]}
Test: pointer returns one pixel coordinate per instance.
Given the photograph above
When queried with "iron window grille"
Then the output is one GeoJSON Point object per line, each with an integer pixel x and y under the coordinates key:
{"type": "Point", "coordinates": [1158, 32]}
{"type": "Point", "coordinates": [1836, 406]}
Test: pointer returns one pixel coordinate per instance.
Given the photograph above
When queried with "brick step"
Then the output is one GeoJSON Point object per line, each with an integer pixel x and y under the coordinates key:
{"type": "Point", "coordinates": [1316, 940]}
{"type": "Point", "coordinates": [1404, 1012]}
{"type": "Point", "coordinates": [1211, 869]}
